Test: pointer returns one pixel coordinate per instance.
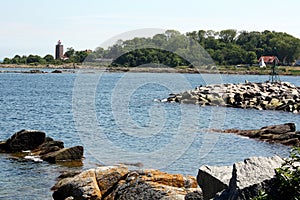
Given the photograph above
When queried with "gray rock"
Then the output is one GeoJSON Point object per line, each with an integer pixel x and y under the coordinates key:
{"type": "Point", "coordinates": [250, 176]}
{"type": "Point", "coordinates": [213, 179]}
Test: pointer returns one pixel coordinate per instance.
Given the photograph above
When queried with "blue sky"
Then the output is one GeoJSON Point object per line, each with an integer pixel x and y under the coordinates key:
{"type": "Point", "coordinates": [34, 26]}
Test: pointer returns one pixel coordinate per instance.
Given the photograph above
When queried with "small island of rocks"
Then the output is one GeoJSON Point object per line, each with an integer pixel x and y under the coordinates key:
{"type": "Point", "coordinates": [277, 95]}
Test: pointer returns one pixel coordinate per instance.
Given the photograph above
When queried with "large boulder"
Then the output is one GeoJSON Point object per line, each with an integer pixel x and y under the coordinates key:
{"type": "Point", "coordinates": [82, 187]}
{"type": "Point", "coordinates": [65, 154]}
{"type": "Point", "coordinates": [117, 182]}
{"type": "Point", "coordinates": [249, 177]}
{"type": "Point", "coordinates": [154, 184]}
{"type": "Point", "coordinates": [24, 140]}
{"type": "Point", "coordinates": [213, 179]}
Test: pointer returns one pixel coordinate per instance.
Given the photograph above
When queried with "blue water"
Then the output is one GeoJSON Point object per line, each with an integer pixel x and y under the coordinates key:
{"type": "Point", "coordinates": [114, 116]}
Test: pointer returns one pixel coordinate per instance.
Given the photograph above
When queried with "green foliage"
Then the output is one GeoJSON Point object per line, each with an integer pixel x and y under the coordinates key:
{"type": "Point", "coordinates": [289, 176]}
{"type": "Point", "coordinates": [287, 183]}
{"type": "Point", "coordinates": [227, 47]}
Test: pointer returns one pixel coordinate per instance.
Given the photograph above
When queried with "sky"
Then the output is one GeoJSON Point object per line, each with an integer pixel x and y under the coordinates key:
{"type": "Point", "coordinates": [35, 26]}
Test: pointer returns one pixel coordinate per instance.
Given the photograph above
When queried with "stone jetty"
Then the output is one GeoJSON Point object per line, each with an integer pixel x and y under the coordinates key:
{"type": "Point", "coordinates": [279, 95]}
{"type": "Point", "coordinates": [118, 182]}
{"type": "Point", "coordinates": [36, 146]}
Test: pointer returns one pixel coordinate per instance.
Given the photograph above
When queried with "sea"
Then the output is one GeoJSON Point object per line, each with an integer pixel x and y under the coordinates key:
{"type": "Point", "coordinates": [120, 118]}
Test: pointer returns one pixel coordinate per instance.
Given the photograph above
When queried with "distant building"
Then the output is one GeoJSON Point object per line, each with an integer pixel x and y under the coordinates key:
{"type": "Point", "coordinates": [59, 50]}
{"type": "Point", "coordinates": [267, 60]}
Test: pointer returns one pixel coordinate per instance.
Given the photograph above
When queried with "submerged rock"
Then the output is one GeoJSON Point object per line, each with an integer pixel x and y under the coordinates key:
{"type": "Point", "coordinates": [117, 182]}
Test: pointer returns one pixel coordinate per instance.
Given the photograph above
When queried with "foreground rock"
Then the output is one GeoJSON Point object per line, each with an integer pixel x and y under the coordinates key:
{"type": "Point", "coordinates": [285, 134]}
{"type": "Point", "coordinates": [40, 147]}
{"type": "Point", "coordinates": [247, 179]}
{"type": "Point", "coordinates": [117, 182]}
{"type": "Point", "coordinates": [262, 96]}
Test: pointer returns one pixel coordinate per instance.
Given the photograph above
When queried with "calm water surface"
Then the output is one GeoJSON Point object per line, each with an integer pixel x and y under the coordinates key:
{"type": "Point", "coordinates": [45, 102]}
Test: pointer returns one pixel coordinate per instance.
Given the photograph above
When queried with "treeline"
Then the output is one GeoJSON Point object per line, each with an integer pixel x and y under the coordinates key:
{"type": "Point", "coordinates": [227, 47]}
{"type": "Point", "coordinates": [71, 56]}
{"type": "Point", "coordinates": [197, 48]}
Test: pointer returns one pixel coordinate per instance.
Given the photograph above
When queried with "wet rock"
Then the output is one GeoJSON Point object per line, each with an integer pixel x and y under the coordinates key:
{"type": "Point", "coordinates": [283, 133]}
{"type": "Point", "coordinates": [65, 154]}
{"type": "Point", "coordinates": [47, 147]}
{"type": "Point", "coordinates": [279, 129]}
{"type": "Point", "coordinates": [24, 140]}
{"type": "Point", "coordinates": [40, 146]}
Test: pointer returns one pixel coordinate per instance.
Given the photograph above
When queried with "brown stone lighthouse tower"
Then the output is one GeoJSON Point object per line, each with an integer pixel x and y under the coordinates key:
{"type": "Point", "coordinates": [59, 50]}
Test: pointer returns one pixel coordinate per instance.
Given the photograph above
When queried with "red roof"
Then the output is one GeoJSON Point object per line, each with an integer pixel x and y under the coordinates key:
{"type": "Point", "coordinates": [269, 59]}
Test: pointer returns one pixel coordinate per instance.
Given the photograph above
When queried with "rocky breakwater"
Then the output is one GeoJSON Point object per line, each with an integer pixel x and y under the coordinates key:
{"type": "Point", "coordinates": [34, 144]}
{"type": "Point", "coordinates": [285, 134]}
{"type": "Point", "coordinates": [118, 182]}
{"type": "Point", "coordinates": [262, 96]}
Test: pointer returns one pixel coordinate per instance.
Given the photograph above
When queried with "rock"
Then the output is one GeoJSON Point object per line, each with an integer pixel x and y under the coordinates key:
{"type": "Point", "coordinates": [283, 133]}
{"type": "Point", "coordinates": [82, 187]}
{"type": "Point", "coordinates": [65, 154]}
{"type": "Point", "coordinates": [213, 179]}
{"type": "Point", "coordinates": [56, 71]}
{"type": "Point", "coordinates": [117, 182]}
{"type": "Point", "coordinates": [279, 129]}
{"type": "Point", "coordinates": [196, 195]}
{"type": "Point", "coordinates": [107, 177]}
{"type": "Point", "coordinates": [40, 146]}
{"type": "Point", "coordinates": [251, 176]}
{"type": "Point", "coordinates": [3, 147]}
{"type": "Point", "coordinates": [25, 140]}
{"type": "Point", "coordinates": [47, 147]}
{"type": "Point", "coordinates": [261, 96]}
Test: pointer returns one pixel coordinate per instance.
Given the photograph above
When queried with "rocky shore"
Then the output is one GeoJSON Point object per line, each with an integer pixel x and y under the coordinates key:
{"type": "Point", "coordinates": [242, 181]}
{"type": "Point", "coordinates": [117, 182]}
{"type": "Point", "coordinates": [282, 96]}
{"type": "Point", "coordinates": [285, 134]}
{"type": "Point", "coordinates": [36, 146]}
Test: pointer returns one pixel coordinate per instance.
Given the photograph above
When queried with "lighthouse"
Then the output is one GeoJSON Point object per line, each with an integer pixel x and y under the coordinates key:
{"type": "Point", "coordinates": [59, 50]}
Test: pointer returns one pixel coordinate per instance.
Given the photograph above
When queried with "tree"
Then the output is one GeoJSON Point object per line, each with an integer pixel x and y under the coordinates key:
{"type": "Point", "coordinates": [35, 59]}
{"type": "Point", "coordinates": [251, 58]}
{"type": "Point", "coordinates": [70, 52]}
{"type": "Point", "coordinates": [16, 59]}
{"type": "Point", "coordinates": [228, 36]}
{"type": "Point", "coordinates": [49, 58]}
{"type": "Point", "coordinates": [6, 61]}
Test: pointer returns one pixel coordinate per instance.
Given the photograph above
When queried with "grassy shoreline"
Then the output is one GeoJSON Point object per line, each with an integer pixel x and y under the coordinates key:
{"type": "Point", "coordinates": [282, 70]}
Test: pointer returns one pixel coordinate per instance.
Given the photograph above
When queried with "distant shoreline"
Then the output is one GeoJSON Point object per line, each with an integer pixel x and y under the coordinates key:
{"type": "Point", "coordinates": [292, 71]}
